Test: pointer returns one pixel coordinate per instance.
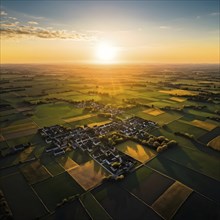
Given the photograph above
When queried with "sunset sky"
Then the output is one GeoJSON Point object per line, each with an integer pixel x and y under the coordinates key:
{"type": "Point", "coordinates": [110, 31]}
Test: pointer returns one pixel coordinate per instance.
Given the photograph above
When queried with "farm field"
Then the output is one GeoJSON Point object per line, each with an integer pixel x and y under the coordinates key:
{"type": "Point", "coordinates": [53, 190]}
{"type": "Point", "coordinates": [165, 184]}
{"type": "Point", "coordinates": [170, 201]}
{"type": "Point", "coordinates": [136, 151]}
{"type": "Point", "coordinates": [15, 184]}
{"type": "Point", "coordinates": [144, 178]}
{"type": "Point", "coordinates": [89, 174]}
{"type": "Point", "coordinates": [117, 202]}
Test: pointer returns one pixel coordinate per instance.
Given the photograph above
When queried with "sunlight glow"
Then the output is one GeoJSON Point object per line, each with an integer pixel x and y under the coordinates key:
{"type": "Point", "coordinates": [106, 53]}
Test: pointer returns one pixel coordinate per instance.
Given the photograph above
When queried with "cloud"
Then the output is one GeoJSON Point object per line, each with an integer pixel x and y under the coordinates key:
{"type": "Point", "coordinates": [9, 24]}
{"type": "Point", "coordinates": [12, 31]}
{"type": "Point", "coordinates": [32, 22]}
{"type": "Point", "coordinates": [3, 13]}
{"type": "Point", "coordinates": [165, 27]}
{"type": "Point", "coordinates": [12, 18]}
{"type": "Point", "coordinates": [215, 14]}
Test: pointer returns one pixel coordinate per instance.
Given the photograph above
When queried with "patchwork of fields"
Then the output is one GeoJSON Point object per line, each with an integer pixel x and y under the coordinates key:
{"type": "Point", "coordinates": [182, 182]}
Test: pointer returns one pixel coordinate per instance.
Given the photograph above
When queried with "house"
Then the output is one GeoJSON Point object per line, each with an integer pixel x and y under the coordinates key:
{"type": "Point", "coordinates": [58, 152]}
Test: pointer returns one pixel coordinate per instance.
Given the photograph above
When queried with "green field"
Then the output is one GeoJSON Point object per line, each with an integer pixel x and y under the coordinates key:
{"type": "Point", "coordinates": [54, 190]}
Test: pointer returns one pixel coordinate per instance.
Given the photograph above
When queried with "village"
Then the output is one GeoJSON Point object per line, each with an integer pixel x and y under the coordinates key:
{"type": "Point", "coordinates": [99, 142]}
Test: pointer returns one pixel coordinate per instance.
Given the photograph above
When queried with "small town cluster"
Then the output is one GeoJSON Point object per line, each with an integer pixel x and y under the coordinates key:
{"type": "Point", "coordinates": [92, 141]}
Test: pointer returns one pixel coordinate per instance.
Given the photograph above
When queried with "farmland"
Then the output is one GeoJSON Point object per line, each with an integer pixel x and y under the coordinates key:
{"type": "Point", "coordinates": [92, 107]}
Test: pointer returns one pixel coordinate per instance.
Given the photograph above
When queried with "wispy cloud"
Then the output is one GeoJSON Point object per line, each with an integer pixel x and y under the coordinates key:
{"type": "Point", "coordinates": [32, 22]}
{"type": "Point", "coordinates": [3, 13]}
{"type": "Point", "coordinates": [165, 27]}
{"type": "Point", "coordinates": [14, 30]}
{"type": "Point", "coordinates": [215, 14]}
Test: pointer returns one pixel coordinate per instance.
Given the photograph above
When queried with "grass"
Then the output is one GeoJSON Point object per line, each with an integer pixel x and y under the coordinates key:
{"type": "Point", "coordinates": [70, 211]}
{"type": "Point", "coordinates": [21, 199]}
{"type": "Point", "coordinates": [198, 207]}
{"type": "Point", "coordinates": [53, 190]}
{"type": "Point", "coordinates": [215, 143]}
{"type": "Point", "coordinates": [89, 174]}
{"type": "Point", "coordinates": [195, 160]}
{"type": "Point", "coordinates": [34, 172]}
{"type": "Point", "coordinates": [95, 210]}
{"type": "Point", "coordinates": [146, 184]}
{"type": "Point", "coordinates": [136, 151]}
{"type": "Point", "coordinates": [99, 123]}
{"type": "Point", "coordinates": [170, 201]}
{"type": "Point", "coordinates": [120, 204]}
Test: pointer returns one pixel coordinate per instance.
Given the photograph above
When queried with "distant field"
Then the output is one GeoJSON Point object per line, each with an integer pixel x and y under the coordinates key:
{"type": "Point", "coordinates": [203, 124]}
{"type": "Point", "coordinates": [171, 200]}
{"type": "Point", "coordinates": [99, 123]}
{"type": "Point", "coordinates": [89, 174]}
{"type": "Point", "coordinates": [19, 130]}
{"type": "Point", "coordinates": [176, 99]}
{"type": "Point", "coordinates": [179, 92]}
{"type": "Point", "coordinates": [34, 172]}
{"type": "Point", "coordinates": [154, 112]}
{"type": "Point", "coordinates": [137, 151]}
{"type": "Point", "coordinates": [215, 143]}
{"type": "Point", "coordinates": [78, 118]}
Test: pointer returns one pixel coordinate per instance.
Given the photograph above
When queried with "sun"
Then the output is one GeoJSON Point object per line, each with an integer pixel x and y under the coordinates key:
{"type": "Point", "coordinates": [106, 53]}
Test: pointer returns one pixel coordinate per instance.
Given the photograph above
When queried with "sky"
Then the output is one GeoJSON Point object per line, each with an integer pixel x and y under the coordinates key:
{"type": "Point", "coordinates": [147, 31]}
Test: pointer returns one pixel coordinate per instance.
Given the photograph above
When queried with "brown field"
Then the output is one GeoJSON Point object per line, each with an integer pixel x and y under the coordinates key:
{"type": "Point", "coordinates": [204, 125]}
{"type": "Point", "coordinates": [1, 138]}
{"type": "Point", "coordinates": [20, 130]}
{"type": "Point", "coordinates": [35, 172]}
{"type": "Point", "coordinates": [171, 200]}
{"type": "Point", "coordinates": [66, 162]}
{"type": "Point", "coordinates": [177, 92]}
{"type": "Point", "coordinates": [215, 143]}
{"type": "Point", "coordinates": [99, 123]}
{"type": "Point", "coordinates": [78, 118]}
{"type": "Point", "coordinates": [153, 111]}
{"type": "Point", "coordinates": [88, 174]}
{"type": "Point", "coordinates": [176, 99]}
{"type": "Point", "coordinates": [26, 154]}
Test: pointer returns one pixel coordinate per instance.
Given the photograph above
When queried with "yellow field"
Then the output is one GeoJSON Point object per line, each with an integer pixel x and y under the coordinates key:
{"type": "Point", "coordinates": [171, 200]}
{"type": "Point", "coordinates": [177, 92]}
{"type": "Point", "coordinates": [99, 123]}
{"type": "Point", "coordinates": [78, 118]}
{"type": "Point", "coordinates": [204, 125]}
{"type": "Point", "coordinates": [66, 162]}
{"type": "Point", "coordinates": [153, 111]}
{"type": "Point", "coordinates": [88, 175]}
{"type": "Point", "coordinates": [136, 151]}
{"type": "Point", "coordinates": [215, 143]}
{"type": "Point", "coordinates": [176, 99]}
{"type": "Point", "coordinates": [25, 154]}
{"type": "Point", "coordinates": [35, 172]}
